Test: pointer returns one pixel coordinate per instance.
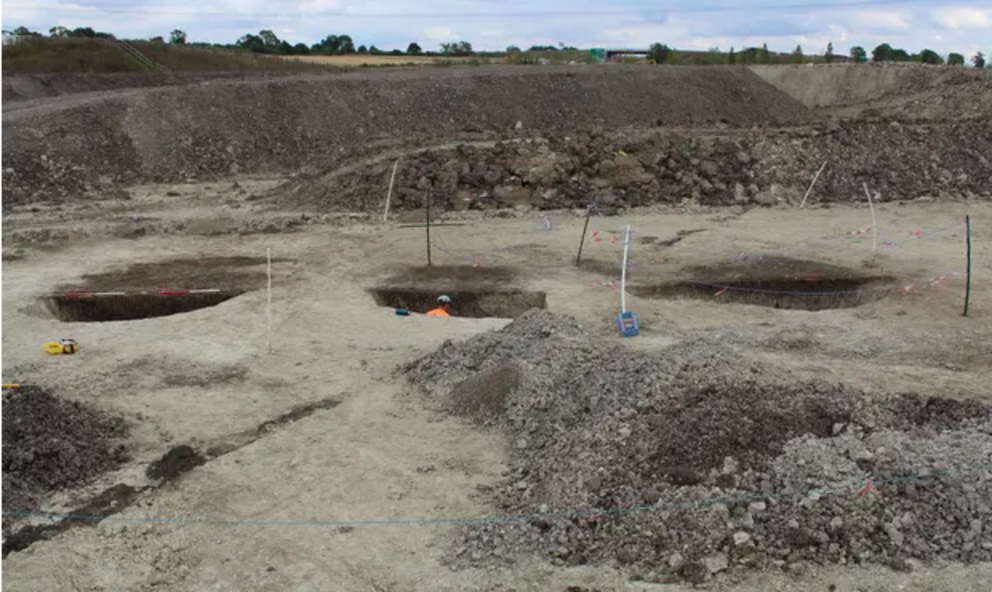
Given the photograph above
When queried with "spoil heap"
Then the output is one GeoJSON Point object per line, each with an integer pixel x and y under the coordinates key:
{"type": "Point", "coordinates": [692, 460]}
{"type": "Point", "coordinates": [51, 444]}
{"type": "Point", "coordinates": [649, 166]}
{"type": "Point", "coordinates": [88, 145]}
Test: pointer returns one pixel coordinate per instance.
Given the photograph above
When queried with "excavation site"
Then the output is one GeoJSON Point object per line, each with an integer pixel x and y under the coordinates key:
{"type": "Point", "coordinates": [498, 326]}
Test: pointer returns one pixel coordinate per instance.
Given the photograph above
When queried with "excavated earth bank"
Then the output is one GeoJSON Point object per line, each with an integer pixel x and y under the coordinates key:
{"type": "Point", "coordinates": [693, 460]}
{"type": "Point", "coordinates": [88, 144]}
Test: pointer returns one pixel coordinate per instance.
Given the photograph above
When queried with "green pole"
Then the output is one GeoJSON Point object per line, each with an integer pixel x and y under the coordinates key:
{"type": "Point", "coordinates": [967, 290]}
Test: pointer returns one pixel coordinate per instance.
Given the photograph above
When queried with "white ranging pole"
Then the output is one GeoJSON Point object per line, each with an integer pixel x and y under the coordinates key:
{"type": "Point", "coordinates": [268, 306]}
{"type": "Point", "coordinates": [815, 177]}
{"type": "Point", "coordinates": [389, 194]}
{"type": "Point", "coordinates": [874, 226]}
{"type": "Point", "coordinates": [623, 272]}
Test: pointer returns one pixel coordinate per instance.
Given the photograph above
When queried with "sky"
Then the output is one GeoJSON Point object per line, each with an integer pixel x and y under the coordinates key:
{"type": "Point", "coordinates": [963, 26]}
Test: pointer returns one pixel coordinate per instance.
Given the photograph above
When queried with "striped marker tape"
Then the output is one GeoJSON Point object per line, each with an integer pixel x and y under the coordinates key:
{"type": "Point", "coordinates": [138, 293]}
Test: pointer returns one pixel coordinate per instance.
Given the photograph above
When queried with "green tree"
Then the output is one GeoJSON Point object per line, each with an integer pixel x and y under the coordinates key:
{"type": "Point", "coordinates": [177, 37]}
{"type": "Point", "coordinates": [882, 53]}
{"type": "Point", "coordinates": [978, 60]}
{"type": "Point", "coordinates": [829, 56]}
{"type": "Point", "coordinates": [269, 38]}
{"type": "Point", "coordinates": [764, 56]}
{"type": "Point", "coordinates": [334, 45]}
{"type": "Point", "coordinates": [659, 52]}
{"type": "Point", "coordinates": [26, 32]}
{"type": "Point", "coordinates": [362, 49]}
{"type": "Point", "coordinates": [58, 31]}
{"type": "Point", "coordinates": [858, 54]}
{"type": "Point", "coordinates": [731, 57]}
{"type": "Point", "coordinates": [512, 49]}
{"type": "Point", "coordinates": [374, 50]}
{"type": "Point", "coordinates": [459, 48]}
{"type": "Point", "coordinates": [414, 49]}
{"type": "Point", "coordinates": [955, 59]}
{"type": "Point", "coordinates": [797, 55]}
{"type": "Point", "coordinates": [929, 56]}
{"type": "Point", "coordinates": [301, 49]}
{"type": "Point", "coordinates": [899, 55]}
{"type": "Point", "coordinates": [252, 43]}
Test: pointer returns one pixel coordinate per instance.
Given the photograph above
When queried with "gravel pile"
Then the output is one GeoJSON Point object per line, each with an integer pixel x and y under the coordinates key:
{"type": "Point", "coordinates": [51, 444]}
{"type": "Point", "coordinates": [690, 461]}
{"type": "Point", "coordinates": [729, 167]}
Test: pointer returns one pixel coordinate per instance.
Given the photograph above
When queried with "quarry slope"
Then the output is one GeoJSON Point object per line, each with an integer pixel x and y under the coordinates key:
{"type": "Point", "coordinates": [65, 149]}
{"type": "Point", "coordinates": [893, 90]}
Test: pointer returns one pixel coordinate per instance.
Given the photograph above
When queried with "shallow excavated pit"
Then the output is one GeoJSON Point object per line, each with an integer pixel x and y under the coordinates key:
{"type": "Point", "coordinates": [464, 303]}
{"type": "Point", "coordinates": [477, 292]}
{"type": "Point", "coordinates": [126, 307]}
{"type": "Point", "coordinates": [147, 290]}
{"type": "Point", "coordinates": [778, 283]}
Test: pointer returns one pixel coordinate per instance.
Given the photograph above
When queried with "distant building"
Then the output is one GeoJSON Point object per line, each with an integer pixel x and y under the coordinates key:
{"type": "Point", "coordinates": [9, 38]}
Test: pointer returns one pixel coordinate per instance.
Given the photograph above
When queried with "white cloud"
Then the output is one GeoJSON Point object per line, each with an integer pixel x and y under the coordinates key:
{"type": "Point", "coordinates": [890, 21]}
{"type": "Point", "coordinates": [963, 18]}
{"type": "Point", "coordinates": [439, 33]}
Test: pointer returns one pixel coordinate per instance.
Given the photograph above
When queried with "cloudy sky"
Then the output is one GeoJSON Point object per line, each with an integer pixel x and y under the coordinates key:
{"type": "Point", "coordinates": [943, 25]}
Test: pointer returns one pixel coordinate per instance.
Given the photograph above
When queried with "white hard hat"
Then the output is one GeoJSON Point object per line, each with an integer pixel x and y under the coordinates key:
{"type": "Point", "coordinates": [444, 299]}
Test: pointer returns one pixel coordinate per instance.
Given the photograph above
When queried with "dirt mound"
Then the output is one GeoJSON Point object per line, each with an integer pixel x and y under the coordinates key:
{"type": "Point", "coordinates": [70, 149]}
{"type": "Point", "coordinates": [176, 461]}
{"type": "Point", "coordinates": [764, 167]}
{"type": "Point", "coordinates": [484, 396]}
{"type": "Point", "coordinates": [694, 460]}
{"type": "Point", "coordinates": [51, 444]}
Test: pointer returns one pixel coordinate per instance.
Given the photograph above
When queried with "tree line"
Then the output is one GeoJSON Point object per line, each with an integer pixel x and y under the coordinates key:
{"type": "Point", "coordinates": [267, 42]}
{"type": "Point", "coordinates": [662, 54]}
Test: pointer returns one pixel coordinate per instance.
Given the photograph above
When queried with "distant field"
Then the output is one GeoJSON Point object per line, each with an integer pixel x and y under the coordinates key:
{"type": "Point", "coordinates": [389, 60]}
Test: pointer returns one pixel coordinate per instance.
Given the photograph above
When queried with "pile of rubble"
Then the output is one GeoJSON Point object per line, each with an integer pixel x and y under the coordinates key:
{"type": "Point", "coordinates": [51, 444]}
{"type": "Point", "coordinates": [693, 460]}
{"type": "Point", "coordinates": [721, 167]}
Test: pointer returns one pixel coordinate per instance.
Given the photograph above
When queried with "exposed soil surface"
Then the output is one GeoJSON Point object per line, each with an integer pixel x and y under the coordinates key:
{"type": "Point", "coordinates": [775, 282]}
{"type": "Point", "coordinates": [238, 272]}
{"type": "Point", "coordinates": [766, 446]}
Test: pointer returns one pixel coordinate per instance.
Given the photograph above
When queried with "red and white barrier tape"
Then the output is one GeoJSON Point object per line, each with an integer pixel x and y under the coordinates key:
{"type": "Point", "coordinates": [139, 293]}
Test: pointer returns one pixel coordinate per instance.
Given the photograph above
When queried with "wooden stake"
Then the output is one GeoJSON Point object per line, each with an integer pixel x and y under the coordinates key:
{"type": "Point", "coordinates": [268, 306]}
{"type": "Point", "coordinates": [874, 226]}
{"type": "Point", "coordinates": [428, 230]}
{"type": "Point", "coordinates": [578, 258]}
{"type": "Point", "coordinates": [967, 290]}
{"type": "Point", "coordinates": [389, 194]}
{"type": "Point", "coordinates": [815, 177]}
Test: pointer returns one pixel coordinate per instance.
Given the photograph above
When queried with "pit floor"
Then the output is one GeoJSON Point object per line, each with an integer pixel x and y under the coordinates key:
{"type": "Point", "coordinates": [197, 377]}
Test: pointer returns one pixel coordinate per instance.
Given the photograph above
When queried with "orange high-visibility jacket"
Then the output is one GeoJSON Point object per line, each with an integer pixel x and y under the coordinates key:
{"type": "Point", "coordinates": [438, 312]}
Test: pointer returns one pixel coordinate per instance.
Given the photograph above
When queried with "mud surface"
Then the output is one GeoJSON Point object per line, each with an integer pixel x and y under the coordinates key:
{"type": "Point", "coordinates": [50, 444]}
{"type": "Point", "coordinates": [688, 461]}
